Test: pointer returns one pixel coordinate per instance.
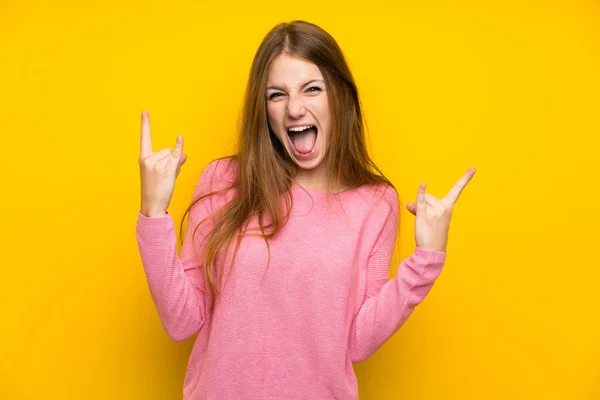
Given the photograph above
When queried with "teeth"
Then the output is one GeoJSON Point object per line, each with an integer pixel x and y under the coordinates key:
{"type": "Point", "coordinates": [300, 128]}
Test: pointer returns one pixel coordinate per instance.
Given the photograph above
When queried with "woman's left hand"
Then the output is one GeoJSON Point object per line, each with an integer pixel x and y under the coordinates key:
{"type": "Point", "coordinates": [433, 215]}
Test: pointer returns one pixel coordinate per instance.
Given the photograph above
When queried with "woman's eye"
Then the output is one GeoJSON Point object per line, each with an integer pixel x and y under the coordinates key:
{"type": "Point", "coordinates": [313, 89]}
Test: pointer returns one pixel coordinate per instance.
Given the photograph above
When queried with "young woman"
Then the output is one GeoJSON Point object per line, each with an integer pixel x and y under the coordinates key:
{"type": "Point", "coordinates": [285, 287]}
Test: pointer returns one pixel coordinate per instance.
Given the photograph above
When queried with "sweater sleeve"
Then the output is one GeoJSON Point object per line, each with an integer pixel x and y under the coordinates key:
{"type": "Point", "coordinates": [176, 282]}
{"type": "Point", "coordinates": [389, 303]}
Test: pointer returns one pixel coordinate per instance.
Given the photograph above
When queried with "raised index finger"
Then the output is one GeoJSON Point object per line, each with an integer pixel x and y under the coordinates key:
{"type": "Point", "coordinates": [145, 140]}
{"type": "Point", "coordinates": [458, 187]}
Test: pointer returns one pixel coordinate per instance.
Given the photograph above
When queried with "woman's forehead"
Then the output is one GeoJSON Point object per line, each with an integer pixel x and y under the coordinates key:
{"type": "Point", "coordinates": [290, 71]}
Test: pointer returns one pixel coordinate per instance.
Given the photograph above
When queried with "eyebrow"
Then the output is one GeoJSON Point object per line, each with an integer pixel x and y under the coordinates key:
{"type": "Point", "coordinates": [306, 84]}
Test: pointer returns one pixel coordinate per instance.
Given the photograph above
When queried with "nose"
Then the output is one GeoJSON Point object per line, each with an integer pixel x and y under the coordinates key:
{"type": "Point", "coordinates": [295, 106]}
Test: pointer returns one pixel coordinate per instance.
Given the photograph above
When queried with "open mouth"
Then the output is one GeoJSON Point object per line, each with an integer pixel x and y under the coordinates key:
{"type": "Point", "coordinates": [303, 138]}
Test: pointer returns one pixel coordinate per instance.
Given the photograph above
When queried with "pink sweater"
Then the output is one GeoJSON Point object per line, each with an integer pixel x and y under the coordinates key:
{"type": "Point", "coordinates": [294, 330]}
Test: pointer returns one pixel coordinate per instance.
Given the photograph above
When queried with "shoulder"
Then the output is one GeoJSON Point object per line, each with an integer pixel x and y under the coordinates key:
{"type": "Point", "coordinates": [215, 184]}
{"type": "Point", "coordinates": [388, 195]}
{"type": "Point", "coordinates": [216, 180]}
{"type": "Point", "coordinates": [385, 207]}
{"type": "Point", "coordinates": [219, 173]}
{"type": "Point", "coordinates": [380, 199]}
{"type": "Point", "coordinates": [379, 203]}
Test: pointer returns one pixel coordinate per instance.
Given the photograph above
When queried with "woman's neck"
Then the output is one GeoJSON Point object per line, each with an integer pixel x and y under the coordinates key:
{"type": "Point", "coordinates": [315, 179]}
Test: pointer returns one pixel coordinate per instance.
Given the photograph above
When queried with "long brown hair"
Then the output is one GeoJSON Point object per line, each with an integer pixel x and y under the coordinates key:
{"type": "Point", "coordinates": [264, 170]}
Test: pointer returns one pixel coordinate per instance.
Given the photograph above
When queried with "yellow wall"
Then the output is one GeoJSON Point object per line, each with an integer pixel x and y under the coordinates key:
{"type": "Point", "coordinates": [510, 87]}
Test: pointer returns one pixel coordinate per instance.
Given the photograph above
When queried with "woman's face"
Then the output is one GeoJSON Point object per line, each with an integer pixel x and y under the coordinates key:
{"type": "Point", "coordinates": [298, 109]}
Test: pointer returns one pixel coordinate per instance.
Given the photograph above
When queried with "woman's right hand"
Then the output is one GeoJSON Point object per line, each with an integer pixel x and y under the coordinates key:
{"type": "Point", "coordinates": [158, 172]}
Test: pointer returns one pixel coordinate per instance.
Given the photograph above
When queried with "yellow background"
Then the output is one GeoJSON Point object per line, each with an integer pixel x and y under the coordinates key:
{"type": "Point", "coordinates": [512, 88]}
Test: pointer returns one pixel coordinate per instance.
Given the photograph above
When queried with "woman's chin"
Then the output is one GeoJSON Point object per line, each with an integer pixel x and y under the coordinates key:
{"type": "Point", "coordinates": [308, 165]}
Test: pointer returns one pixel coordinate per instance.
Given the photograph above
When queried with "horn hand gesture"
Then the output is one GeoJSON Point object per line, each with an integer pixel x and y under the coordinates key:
{"type": "Point", "coordinates": [158, 171]}
{"type": "Point", "coordinates": [433, 215]}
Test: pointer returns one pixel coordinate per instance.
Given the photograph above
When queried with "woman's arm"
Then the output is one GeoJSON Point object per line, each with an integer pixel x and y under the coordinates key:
{"type": "Point", "coordinates": [176, 282]}
{"type": "Point", "coordinates": [389, 303]}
